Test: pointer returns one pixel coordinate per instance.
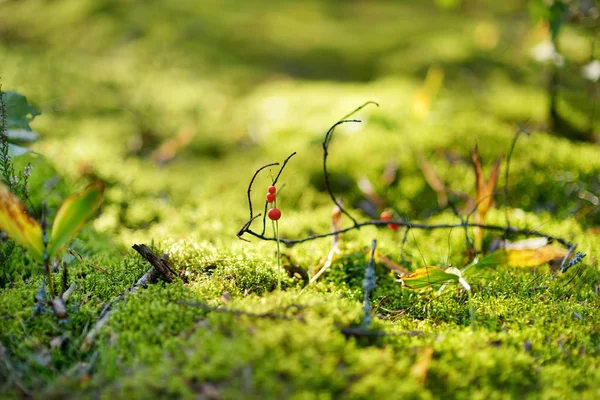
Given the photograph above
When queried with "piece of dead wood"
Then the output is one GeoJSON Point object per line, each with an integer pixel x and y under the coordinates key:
{"type": "Point", "coordinates": [160, 263]}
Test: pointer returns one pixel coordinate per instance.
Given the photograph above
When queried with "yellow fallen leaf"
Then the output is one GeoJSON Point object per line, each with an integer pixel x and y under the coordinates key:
{"type": "Point", "coordinates": [428, 92]}
{"type": "Point", "coordinates": [524, 257]}
{"type": "Point", "coordinates": [428, 276]}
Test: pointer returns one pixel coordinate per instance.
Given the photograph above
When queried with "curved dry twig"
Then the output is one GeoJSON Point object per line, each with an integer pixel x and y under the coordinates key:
{"type": "Point", "coordinates": [326, 142]}
{"type": "Point", "coordinates": [326, 173]}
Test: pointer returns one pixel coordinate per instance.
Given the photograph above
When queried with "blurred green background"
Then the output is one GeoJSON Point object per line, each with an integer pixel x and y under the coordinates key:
{"type": "Point", "coordinates": [176, 103]}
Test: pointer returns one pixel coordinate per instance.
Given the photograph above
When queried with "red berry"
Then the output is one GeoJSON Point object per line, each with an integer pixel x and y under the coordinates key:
{"type": "Point", "coordinates": [272, 189]}
{"type": "Point", "coordinates": [270, 197]}
{"type": "Point", "coordinates": [386, 216]}
{"type": "Point", "coordinates": [274, 214]}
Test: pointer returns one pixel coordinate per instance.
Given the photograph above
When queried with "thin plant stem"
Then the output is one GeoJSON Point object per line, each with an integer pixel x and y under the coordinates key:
{"type": "Point", "coordinates": [471, 310]}
{"type": "Point", "coordinates": [276, 233]}
{"type": "Point", "coordinates": [46, 254]}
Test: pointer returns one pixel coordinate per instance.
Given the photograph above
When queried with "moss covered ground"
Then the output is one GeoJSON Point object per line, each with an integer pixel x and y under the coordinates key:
{"type": "Point", "coordinates": [243, 84]}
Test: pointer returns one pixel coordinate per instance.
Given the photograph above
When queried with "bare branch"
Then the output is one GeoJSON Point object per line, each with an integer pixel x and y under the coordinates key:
{"type": "Point", "coordinates": [412, 225]}
{"type": "Point", "coordinates": [326, 141]}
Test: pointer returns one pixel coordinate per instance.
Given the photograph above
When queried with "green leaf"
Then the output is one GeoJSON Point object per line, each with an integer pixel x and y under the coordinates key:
{"type": "Point", "coordinates": [19, 112]}
{"type": "Point", "coordinates": [429, 276]}
{"type": "Point", "coordinates": [73, 213]}
{"type": "Point", "coordinates": [19, 226]}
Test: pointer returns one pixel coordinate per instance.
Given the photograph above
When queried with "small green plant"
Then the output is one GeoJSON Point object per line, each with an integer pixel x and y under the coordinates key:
{"type": "Point", "coordinates": [16, 113]}
{"type": "Point", "coordinates": [34, 237]}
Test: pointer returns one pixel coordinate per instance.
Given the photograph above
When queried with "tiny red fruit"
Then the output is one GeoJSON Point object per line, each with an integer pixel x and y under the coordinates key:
{"type": "Point", "coordinates": [274, 214]}
{"type": "Point", "coordinates": [270, 197]}
{"type": "Point", "coordinates": [386, 216]}
{"type": "Point", "coordinates": [272, 189]}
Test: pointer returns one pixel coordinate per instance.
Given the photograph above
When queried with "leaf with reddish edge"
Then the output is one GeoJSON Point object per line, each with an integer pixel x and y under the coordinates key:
{"type": "Point", "coordinates": [73, 213]}
{"type": "Point", "coordinates": [19, 226]}
{"type": "Point", "coordinates": [484, 190]}
{"type": "Point", "coordinates": [427, 277]}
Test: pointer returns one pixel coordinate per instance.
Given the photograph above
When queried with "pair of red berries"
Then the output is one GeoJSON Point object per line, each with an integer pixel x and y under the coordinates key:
{"type": "Point", "coordinates": [386, 216]}
{"type": "Point", "coordinates": [274, 213]}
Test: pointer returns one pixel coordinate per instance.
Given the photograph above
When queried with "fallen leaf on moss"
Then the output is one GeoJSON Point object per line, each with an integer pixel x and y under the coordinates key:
{"type": "Point", "coordinates": [428, 276]}
{"type": "Point", "coordinates": [524, 257]}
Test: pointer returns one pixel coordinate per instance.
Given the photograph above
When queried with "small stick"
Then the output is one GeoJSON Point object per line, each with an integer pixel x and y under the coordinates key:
{"type": "Point", "coordinates": [67, 294]}
{"type": "Point", "coordinates": [46, 255]}
{"type": "Point", "coordinates": [161, 265]}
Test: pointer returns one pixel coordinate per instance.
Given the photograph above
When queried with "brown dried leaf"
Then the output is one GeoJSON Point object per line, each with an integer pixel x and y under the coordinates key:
{"type": "Point", "coordinates": [480, 186]}
{"type": "Point", "coordinates": [484, 191]}
{"type": "Point", "coordinates": [492, 182]}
